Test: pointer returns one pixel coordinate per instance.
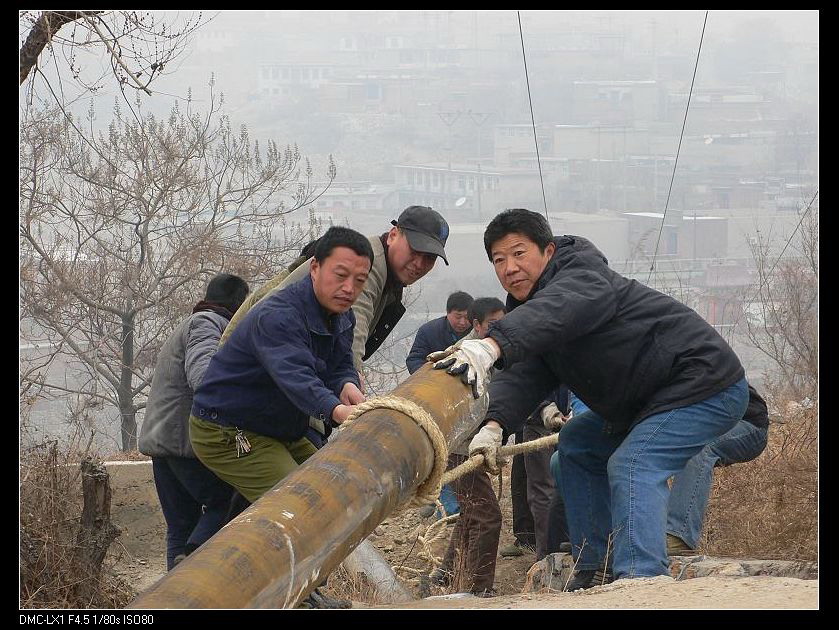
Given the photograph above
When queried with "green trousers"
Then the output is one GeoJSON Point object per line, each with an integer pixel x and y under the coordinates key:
{"type": "Point", "coordinates": [254, 473]}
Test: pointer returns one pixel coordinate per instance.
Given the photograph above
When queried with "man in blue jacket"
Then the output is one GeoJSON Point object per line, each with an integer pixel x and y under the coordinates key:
{"type": "Point", "coordinates": [439, 334]}
{"type": "Point", "coordinates": [289, 358]}
{"type": "Point", "coordinates": [661, 383]}
{"type": "Point", "coordinates": [442, 332]}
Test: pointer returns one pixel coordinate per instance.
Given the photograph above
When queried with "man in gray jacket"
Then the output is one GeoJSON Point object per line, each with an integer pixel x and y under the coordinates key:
{"type": "Point", "coordinates": [195, 502]}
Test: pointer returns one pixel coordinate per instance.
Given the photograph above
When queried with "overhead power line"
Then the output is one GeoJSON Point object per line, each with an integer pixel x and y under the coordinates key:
{"type": "Point", "coordinates": [678, 150]}
{"type": "Point", "coordinates": [532, 118]}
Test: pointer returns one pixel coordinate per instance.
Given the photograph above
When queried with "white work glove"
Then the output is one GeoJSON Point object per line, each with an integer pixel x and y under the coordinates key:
{"type": "Point", "coordinates": [552, 418]}
{"type": "Point", "coordinates": [472, 359]}
{"type": "Point", "coordinates": [487, 441]}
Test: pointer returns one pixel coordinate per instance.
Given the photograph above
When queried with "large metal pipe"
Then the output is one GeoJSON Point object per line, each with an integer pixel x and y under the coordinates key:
{"type": "Point", "coordinates": [284, 545]}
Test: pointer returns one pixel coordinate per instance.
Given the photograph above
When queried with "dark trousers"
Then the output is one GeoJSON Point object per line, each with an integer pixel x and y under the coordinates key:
{"type": "Point", "coordinates": [195, 503]}
{"type": "Point", "coordinates": [476, 531]}
{"type": "Point", "coordinates": [540, 485]}
{"type": "Point", "coordinates": [523, 528]}
{"type": "Point", "coordinates": [557, 521]}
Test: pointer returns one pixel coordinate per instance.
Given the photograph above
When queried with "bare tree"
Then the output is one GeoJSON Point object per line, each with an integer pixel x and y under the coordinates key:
{"type": "Point", "coordinates": [783, 319]}
{"type": "Point", "coordinates": [139, 45]}
{"type": "Point", "coordinates": [121, 229]}
{"type": "Point", "coordinates": [769, 507]}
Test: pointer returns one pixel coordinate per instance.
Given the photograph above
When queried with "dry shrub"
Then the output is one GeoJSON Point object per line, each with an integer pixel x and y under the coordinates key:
{"type": "Point", "coordinates": [52, 575]}
{"type": "Point", "coordinates": [768, 508]}
{"type": "Point", "coordinates": [354, 587]}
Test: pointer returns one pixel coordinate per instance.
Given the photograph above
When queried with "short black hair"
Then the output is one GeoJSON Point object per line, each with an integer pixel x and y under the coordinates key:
{"type": "Point", "coordinates": [338, 236]}
{"type": "Point", "coordinates": [532, 224]}
{"type": "Point", "coordinates": [458, 301]}
{"type": "Point", "coordinates": [227, 290]}
{"type": "Point", "coordinates": [482, 307]}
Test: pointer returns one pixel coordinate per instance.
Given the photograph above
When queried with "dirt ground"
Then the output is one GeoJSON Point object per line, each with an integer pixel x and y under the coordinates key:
{"type": "Point", "coordinates": [138, 556]}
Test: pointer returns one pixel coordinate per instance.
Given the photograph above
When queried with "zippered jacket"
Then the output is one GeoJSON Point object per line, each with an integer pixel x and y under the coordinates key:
{"type": "Point", "coordinates": [285, 361]}
{"type": "Point", "coordinates": [626, 350]}
{"type": "Point", "coordinates": [431, 337]}
{"type": "Point", "coordinates": [180, 367]}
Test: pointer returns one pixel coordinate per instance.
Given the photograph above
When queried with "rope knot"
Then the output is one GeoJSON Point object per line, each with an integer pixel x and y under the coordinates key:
{"type": "Point", "coordinates": [428, 490]}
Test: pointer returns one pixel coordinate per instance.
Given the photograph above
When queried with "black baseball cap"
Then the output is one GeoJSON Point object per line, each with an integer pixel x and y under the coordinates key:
{"type": "Point", "coordinates": [425, 230]}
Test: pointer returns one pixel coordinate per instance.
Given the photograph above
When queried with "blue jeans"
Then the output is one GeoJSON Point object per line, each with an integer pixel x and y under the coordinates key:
{"type": "Point", "coordinates": [195, 503]}
{"type": "Point", "coordinates": [577, 405]}
{"type": "Point", "coordinates": [615, 486]}
{"type": "Point", "coordinates": [449, 501]}
{"type": "Point", "coordinates": [691, 487]}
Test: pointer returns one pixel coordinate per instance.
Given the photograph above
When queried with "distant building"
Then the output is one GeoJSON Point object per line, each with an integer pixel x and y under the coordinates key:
{"type": "Point", "coordinates": [609, 232]}
{"type": "Point", "coordinates": [446, 187]}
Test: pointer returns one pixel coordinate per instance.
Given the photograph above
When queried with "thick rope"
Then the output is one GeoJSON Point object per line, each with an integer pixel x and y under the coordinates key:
{"type": "Point", "coordinates": [435, 531]}
{"type": "Point", "coordinates": [428, 490]}
{"type": "Point", "coordinates": [477, 461]}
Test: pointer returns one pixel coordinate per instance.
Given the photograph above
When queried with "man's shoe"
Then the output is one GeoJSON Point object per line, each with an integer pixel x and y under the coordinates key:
{"type": "Point", "coordinates": [178, 559]}
{"type": "Point", "coordinates": [603, 576]}
{"type": "Point", "coordinates": [440, 577]}
{"type": "Point", "coordinates": [318, 600]}
{"type": "Point", "coordinates": [427, 510]}
{"type": "Point", "coordinates": [512, 550]}
{"type": "Point", "coordinates": [584, 578]}
{"type": "Point", "coordinates": [678, 547]}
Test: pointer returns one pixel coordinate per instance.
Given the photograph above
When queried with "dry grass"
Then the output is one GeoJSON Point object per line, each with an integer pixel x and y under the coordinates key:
{"type": "Point", "coordinates": [353, 587]}
{"type": "Point", "coordinates": [51, 572]}
{"type": "Point", "coordinates": [768, 508]}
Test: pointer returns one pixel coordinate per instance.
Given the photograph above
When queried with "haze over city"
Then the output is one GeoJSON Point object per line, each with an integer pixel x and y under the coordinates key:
{"type": "Point", "coordinates": [433, 108]}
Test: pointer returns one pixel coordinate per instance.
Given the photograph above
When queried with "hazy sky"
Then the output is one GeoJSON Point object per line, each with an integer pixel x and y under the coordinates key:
{"type": "Point", "coordinates": [674, 31]}
{"type": "Point", "coordinates": [784, 40]}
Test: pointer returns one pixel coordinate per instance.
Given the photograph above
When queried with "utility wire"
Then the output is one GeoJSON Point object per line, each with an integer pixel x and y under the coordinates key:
{"type": "Point", "coordinates": [532, 119]}
{"type": "Point", "coordinates": [681, 135]}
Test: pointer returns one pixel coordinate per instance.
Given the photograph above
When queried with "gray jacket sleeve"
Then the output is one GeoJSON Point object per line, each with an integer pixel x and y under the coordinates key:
{"type": "Point", "coordinates": [202, 338]}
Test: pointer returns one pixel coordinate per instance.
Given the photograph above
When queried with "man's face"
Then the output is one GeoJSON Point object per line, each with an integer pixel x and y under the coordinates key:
{"type": "Point", "coordinates": [482, 327]}
{"type": "Point", "coordinates": [339, 279]}
{"type": "Point", "coordinates": [459, 321]}
{"type": "Point", "coordinates": [408, 265]}
{"type": "Point", "coordinates": [518, 263]}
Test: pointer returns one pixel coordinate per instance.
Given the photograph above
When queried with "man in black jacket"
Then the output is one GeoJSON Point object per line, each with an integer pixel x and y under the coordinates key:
{"type": "Point", "coordinates": [660, 381]}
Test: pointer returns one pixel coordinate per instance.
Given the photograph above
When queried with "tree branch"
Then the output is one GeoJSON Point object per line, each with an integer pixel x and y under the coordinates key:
{"type": "Point", "coordinates": [44, 29]}
{"type": "Point", "coordinates": [116, 56]}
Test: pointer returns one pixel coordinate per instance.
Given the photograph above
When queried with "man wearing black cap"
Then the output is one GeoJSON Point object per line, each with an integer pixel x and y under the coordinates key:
{"type": "Point", "coordinates": [403, 255]}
